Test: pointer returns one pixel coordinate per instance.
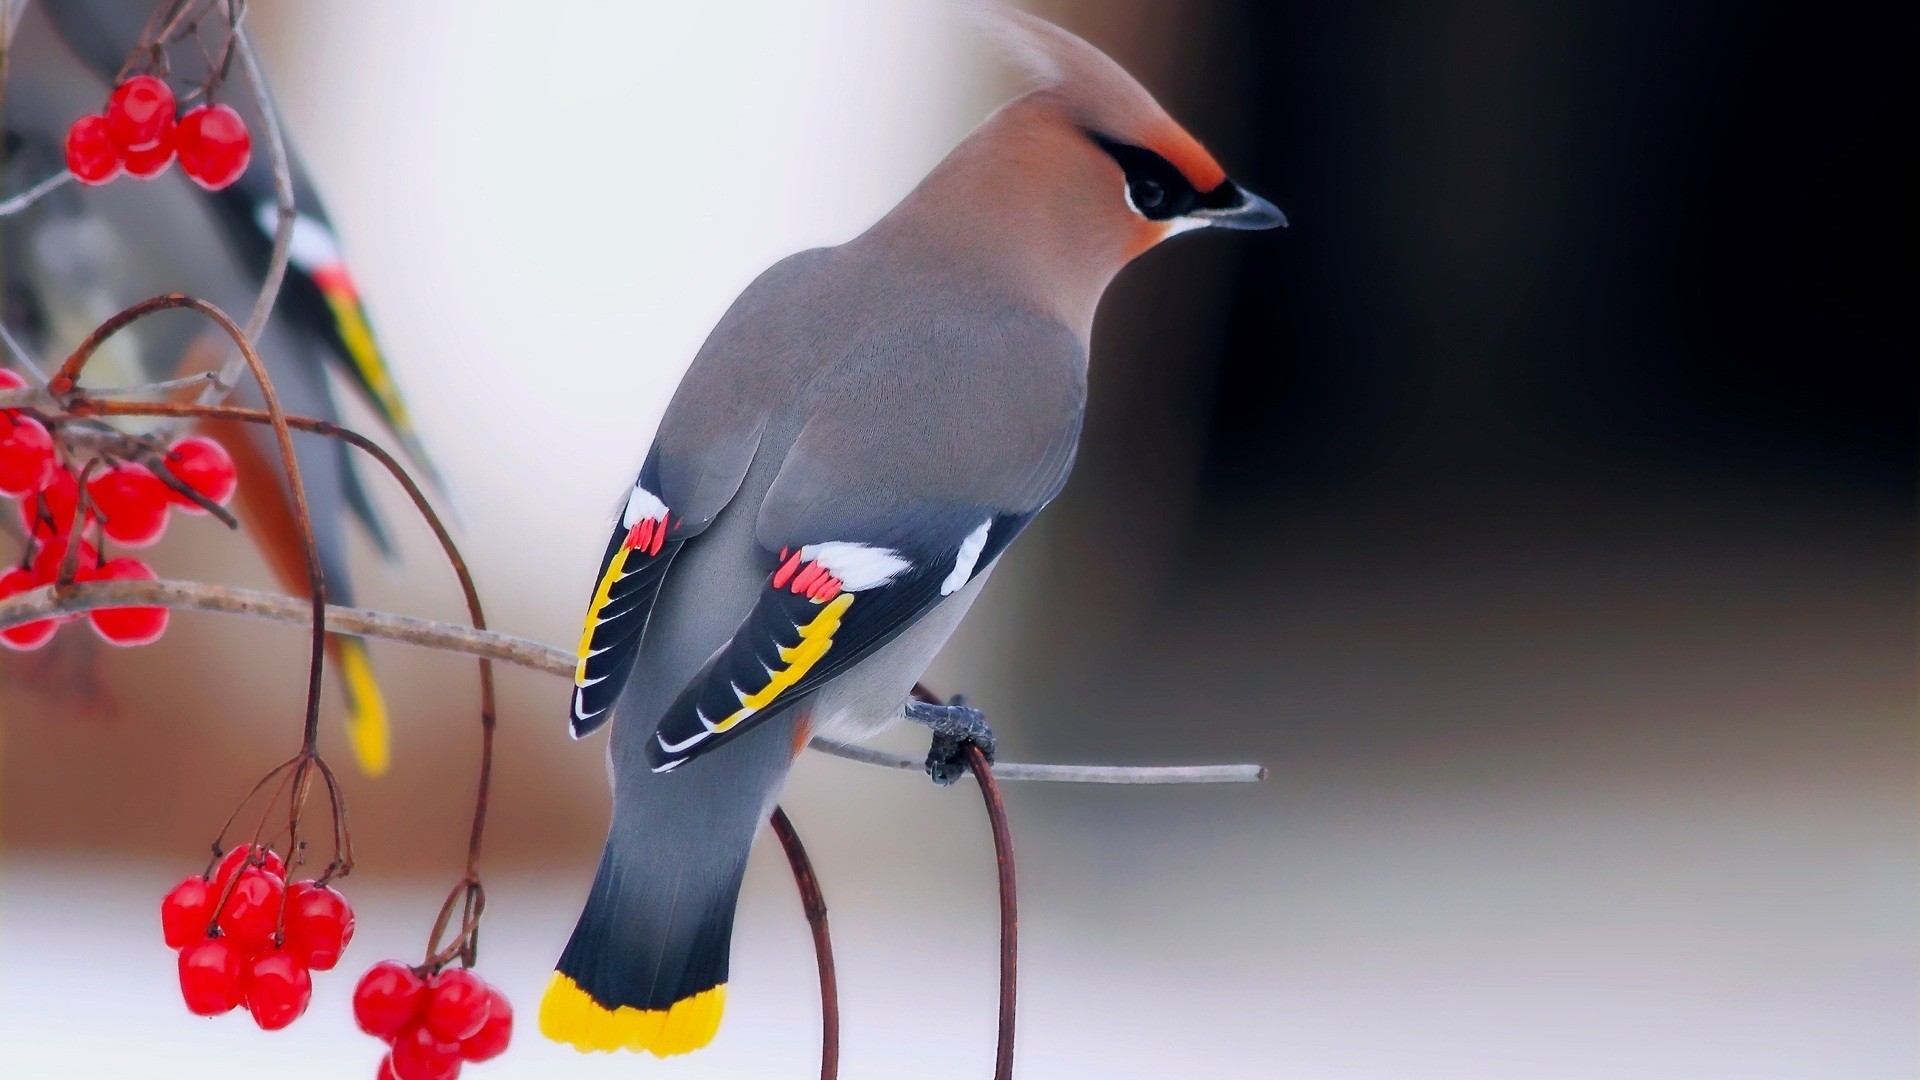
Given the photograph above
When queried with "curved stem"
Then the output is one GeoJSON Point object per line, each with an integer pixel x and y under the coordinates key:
{"type": "Point", "coordinates": [814, 903]}
{"type": "Point", "coordinates": [1009, 908]}
{"type": "Point", "coordinates": [471, 898]}
{"type": "Point", "coordinates": [982, 770]}
{"type": "Point", "coordinates": [63, 383]}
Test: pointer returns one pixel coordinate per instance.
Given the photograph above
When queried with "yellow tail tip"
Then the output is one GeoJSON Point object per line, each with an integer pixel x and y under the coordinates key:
{"type": "Point", "coordinates": [569, 1015]}
{"type": "Point", "coordinates": [366, 710]}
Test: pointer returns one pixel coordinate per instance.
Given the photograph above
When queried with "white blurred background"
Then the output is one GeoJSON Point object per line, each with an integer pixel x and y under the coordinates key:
{"type": "Point", "coordinates": [1529, 818]}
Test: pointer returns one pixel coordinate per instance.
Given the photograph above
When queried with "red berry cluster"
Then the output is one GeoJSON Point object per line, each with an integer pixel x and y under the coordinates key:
{"type": "Point", "coordinates": [258, 948]}
{"type": "Point", "coordinates": [128, 505]}
{"type": "Point", "coordinates": [434, 1024]}
{"type": "Point", "coordinates": [139, 135]}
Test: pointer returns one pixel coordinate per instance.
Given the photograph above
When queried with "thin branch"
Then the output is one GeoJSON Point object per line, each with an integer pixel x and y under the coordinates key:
{"type": "Point", "coordinates": [13, 204]}
{"type": "Point", "coordinates": [522, 652]}
{"type": "Point", "coordinates": [14, 399]}
{"type": "Point", "coordinates": [283, 200]}
{"type": "Point", "coordinates": [814, 903]}
{"type": "Point", "coordinates": [1061, 774]}
{"type": "Point", "coordinates": [1009, 907]}
{"type": "Point", "coordinates": [229, 373]}
{"type": "Point", "coordinates": [35, 374]}
{"type": "Point", "coordinates": [146, 391]}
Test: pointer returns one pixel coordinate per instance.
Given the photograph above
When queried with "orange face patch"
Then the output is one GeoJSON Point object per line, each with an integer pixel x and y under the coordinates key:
{"type": "Point", "coordinates": [1145, 234]}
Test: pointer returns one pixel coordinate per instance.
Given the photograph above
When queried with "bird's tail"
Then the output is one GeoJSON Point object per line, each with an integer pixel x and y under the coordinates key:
{"type": "Point", "coordinates": [646, 968]}
{"type": "Point", "coordinates": [366, 708]}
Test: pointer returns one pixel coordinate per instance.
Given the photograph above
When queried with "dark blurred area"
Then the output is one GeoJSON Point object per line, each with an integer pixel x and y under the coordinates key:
{"type": "Point", "coordinates": [1543, 239]}
{"type": "Point", "coordinates": [1615, 283]}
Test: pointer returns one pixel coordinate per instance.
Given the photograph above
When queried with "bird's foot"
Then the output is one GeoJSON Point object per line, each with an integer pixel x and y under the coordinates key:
{"type": "Point", "coordinates": [955, 726]}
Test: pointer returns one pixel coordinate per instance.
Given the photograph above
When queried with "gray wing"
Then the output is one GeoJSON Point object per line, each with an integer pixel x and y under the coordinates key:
{"type": "Point", "coordinates": [912, 474]}
{"type": "Point", "coordinates": [705, 445]}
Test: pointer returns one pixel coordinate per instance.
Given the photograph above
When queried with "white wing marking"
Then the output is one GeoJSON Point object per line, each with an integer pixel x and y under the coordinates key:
{"type": "Point", "coordinates": [642, 505]}
{"type": "Point", "coordinates": [858, 566]}
{"type": "Point", "coordinates": [967, 559]}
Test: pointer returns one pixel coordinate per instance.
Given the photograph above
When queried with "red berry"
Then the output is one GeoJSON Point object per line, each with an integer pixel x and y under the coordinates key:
{"type": "Point", "coordinates": [186, 911]}
{"type": "Point", "coordinates": [456, 1004]}
{"type": "Point", "coordinates": [387, 998]}
{"type": "Point", "coordinates": [25, 637]}
{"type": "Point", "coordinates": [278, 989]}
{"type": "Point", "coordinates": [252, 913]}
{"type": "Point", "coordinates": [51, 512]}
{"type": "Point", "coordinates": [214, 146]}
{"type": "Point", "coordinates": [139, 113]}
{"type": "Point", "coordinates": [151, 162]}
{"type": "Point", "coordinates": [11, 381]}
{"type": "Point", "coordinates": [133, 503]}
{"type": "Point", "coordinates": [26, 454]}
{"type": "Point", "coordinates": [492, 1038]}
{"type": "Point", "coordinates": [319, 925]}
{"type": "Point", "coordinates": [386, 1069]}
{"type": "Point", "coordinates": [419, 1054]}
{"type": "Point", "coordinates": [92, 157]}
{"type": "Point", "coordinates": [265, 858]}
{"type": "Point", "coordinates": [52, 556]}
{"type": "Point", "coordinates": [203, 465]}
{"type": "Point", "coordinates": [210, 972]}
{"type": "Point", "coordinates": [127, 626]}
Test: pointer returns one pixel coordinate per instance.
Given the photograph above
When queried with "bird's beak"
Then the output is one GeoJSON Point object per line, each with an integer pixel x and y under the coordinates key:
{"type": "Point", "coordinates": [1234, 207]}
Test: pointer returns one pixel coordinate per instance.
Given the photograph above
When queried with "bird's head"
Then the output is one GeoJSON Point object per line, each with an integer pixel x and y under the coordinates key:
{"type": "Point", "coordinates": [1140, 171]}
{"type": "Point", "coordinates": [1075, 178]}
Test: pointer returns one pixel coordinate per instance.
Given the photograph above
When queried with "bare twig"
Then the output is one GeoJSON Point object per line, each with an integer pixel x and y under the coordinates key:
{"type": "Point", "coordinates": [14, 399]}
{"type": "Point", "coordinates": [982, 769]}
{"type": "Point", "coordinates": [814, 903]}
{"type": "Point", "coordinates": [229, 374]}
{"type": "Point", "coordinates": [1009, 908]}
{"type": "Point", "coordinates": [283, 202]}
{"type": "Point", "coordinates": [1061, 774]}
{"type": "Point", "coordinates": [13, 204]}
{"type": "Point", "coordinates": [521, 652]}
{"type": "Point", "coordinates": [151, 390]}
{"type": "Point", "coordinates": [26, 363]}
{"type": "Point", "coordinates": [276, 607]}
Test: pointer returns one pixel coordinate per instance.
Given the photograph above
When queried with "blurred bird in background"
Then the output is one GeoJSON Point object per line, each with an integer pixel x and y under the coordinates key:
{"type": "Point", "coordinates": [862, 435]}
{"type": "Point", "coordinates": [81, 254]}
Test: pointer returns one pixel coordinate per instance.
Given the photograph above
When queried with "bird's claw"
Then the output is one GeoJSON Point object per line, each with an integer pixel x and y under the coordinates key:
{"type": "Point", "coordinates": [955, 726]}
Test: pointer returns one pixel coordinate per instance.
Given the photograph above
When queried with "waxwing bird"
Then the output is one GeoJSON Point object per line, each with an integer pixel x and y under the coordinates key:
{"type": "Point", "coordinates": [82, 254]}
{"type": "Point", "coordinates": [865, 431]}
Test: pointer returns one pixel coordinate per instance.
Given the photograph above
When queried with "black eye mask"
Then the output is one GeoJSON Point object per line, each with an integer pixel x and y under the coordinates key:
{"type": "Point", "coordinates": [1161, 192]}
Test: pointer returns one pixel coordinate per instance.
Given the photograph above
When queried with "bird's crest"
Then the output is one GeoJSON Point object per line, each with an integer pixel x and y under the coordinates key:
{"type": "Point", "coordinates": [1098, 93]}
